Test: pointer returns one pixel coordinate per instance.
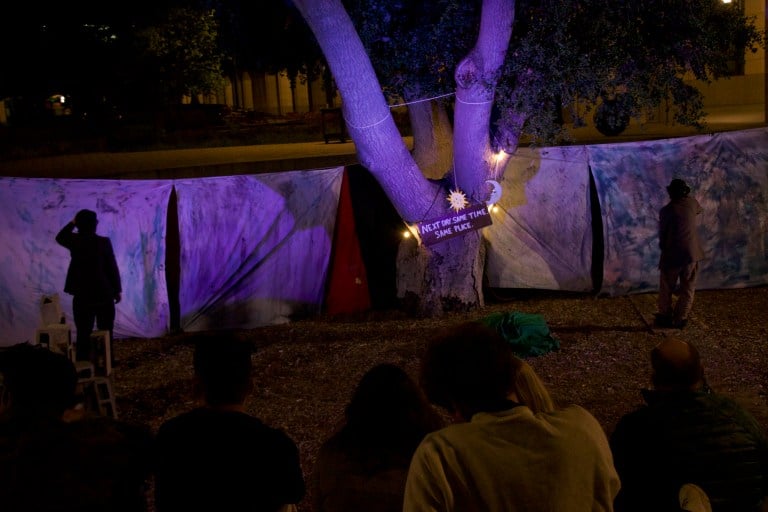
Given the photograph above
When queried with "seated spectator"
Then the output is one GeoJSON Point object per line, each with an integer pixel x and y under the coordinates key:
{"type": "Point", "coordinates": [363, 466]}
{"type": "Point", "coordinates": [216, 456]}
{"type": "Point", "coordinates": [49, 464]}
{"type": "Point", "coordinates": [38, 386]}
{"type": "Point", "coordinates": [686, 434]}
{"type": "Point", "coordinates": [500, 455]}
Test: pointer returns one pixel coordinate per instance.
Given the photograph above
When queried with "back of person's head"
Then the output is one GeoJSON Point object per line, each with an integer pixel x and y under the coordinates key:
{"type": "Point", "coordinates": [678, 188]}
{"type": "Point", "coordinates": [386, 418]}
{"type": "Point", "coordinates": [468, 369]}
{"type": "Point", "coordinates": [529, 388]}
{"type": "Point", "coordinates": [86, 221]}
{"type": "Point", "coordinates": [223, 367]}
{"type": "Point", "coordinates": [386, 397]}
{"type": "Point", "coordinates": [37, 382]}
{"type": "Point", "coordinates": [676, 365]}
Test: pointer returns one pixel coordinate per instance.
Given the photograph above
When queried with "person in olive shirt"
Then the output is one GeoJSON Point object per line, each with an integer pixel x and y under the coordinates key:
{"type": "Point", "coordinates": [93, 280]}
{"type": "Point", "coordinates": [501, 454]}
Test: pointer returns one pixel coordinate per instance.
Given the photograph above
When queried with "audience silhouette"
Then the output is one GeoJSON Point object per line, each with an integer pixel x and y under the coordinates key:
{"type": "Point", "coordinates": [687, 434]}
{"type": "Point", "coordinates": [501, 455]}
{"type": "Point", "coordinates": [363, 466]}
{"type": "Point", "coordinates": [54, 460]}
{"type": "Point", "coordinates": [216, 456]}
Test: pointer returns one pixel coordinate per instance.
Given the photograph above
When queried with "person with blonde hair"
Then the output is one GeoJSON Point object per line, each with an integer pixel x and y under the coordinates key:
{"type": "Point", "coordinates": [529, 388]}
{"type": "Point", "coordinates": [509, 449]}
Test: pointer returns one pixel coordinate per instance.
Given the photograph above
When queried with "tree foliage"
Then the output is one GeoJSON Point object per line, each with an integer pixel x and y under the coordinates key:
{"type": "Point", "coordinates": [268, 37]}
{"type": "Point", "coordinates": [98, 53]}
{"type": "Point", "coordinates": [415, 46]}
{"type": "Point", "coordinates": [565, 56]}
{"type": "Point", "coordinates": [185, 50]}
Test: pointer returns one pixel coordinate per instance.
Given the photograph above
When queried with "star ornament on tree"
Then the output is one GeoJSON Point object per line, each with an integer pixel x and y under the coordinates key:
{"type": "Point", "coordinates": [458, 200]}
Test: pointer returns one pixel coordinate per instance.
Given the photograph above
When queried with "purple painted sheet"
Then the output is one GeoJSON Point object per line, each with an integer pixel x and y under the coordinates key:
{"type": "Point", "coordinates": [255, 249]}
{"type": "Point", "coordinates": [131, 213]}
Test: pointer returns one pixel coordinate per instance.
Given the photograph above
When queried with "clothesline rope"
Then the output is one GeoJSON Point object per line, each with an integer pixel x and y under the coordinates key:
{"type": "Point", "coordinates": [397, 105]}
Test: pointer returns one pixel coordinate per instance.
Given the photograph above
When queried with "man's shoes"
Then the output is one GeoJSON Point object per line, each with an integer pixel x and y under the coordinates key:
{"type": "Point", "coordinates": [663, 321]}
{"type": "Point", "coordinates": [693, 499]}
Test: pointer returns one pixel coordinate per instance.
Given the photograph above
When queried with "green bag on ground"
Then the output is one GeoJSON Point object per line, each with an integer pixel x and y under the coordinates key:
{"type": "Point", "coordinates": [528, 333]}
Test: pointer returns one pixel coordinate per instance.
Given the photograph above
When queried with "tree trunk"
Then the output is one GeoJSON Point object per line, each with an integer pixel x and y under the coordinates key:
{"type": "Point", "coordinates": [444, 277]}
{"type": "Point", "coordinates": [476, 78]}
{"type": "Point", "coordinates": [448, 275]}
{"type": "Point", "coordinates": [432, 138]}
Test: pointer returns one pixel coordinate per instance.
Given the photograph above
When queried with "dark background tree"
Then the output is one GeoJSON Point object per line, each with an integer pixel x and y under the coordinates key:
{"type": "Point", "coordinates": [269, 37]}
{"type": "Point", "coordinates": [183, 49]}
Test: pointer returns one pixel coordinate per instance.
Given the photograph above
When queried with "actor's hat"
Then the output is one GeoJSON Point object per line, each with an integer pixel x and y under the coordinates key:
{"type": "Point", "coordinates": [86, 220]}
{"type": "Point", "coordinates": [678, 188]}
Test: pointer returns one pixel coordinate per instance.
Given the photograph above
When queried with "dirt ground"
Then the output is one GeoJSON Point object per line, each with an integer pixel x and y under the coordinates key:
{"type": "Point", "coordinates": [306, 370]}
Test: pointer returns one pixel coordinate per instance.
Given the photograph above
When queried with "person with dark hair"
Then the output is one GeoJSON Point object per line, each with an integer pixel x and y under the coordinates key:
{"type": "Point", "coordinates": [216, 456]}
{"type": "Point", "coordinates": [500, 455]}
{"type": "Point", "coordinates": [93, 280]}
{"type": "Point", "coordinates": [688, 435]}
{"type": "Point", "coordinates": [363, 466]}
{"type": "Point", "coordinates": [681, 252]}
{"type": "Point", "coordinates": [52, 459]}
{"type": "Point", "coordinates": [38, 385]}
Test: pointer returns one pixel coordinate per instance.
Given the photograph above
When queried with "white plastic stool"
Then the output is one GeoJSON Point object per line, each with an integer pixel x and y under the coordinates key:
{"type": "Point", "coordinates": [97, 389]}
{"type": "Point", "coordinates": [55, 337]}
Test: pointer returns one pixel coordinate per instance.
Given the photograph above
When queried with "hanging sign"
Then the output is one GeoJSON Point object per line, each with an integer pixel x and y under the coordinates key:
{"type": "Point", "coordinates": [459, 223]}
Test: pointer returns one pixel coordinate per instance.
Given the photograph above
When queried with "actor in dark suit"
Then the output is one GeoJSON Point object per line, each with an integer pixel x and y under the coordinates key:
{"type": "Point", "coordinates": [93, 279]}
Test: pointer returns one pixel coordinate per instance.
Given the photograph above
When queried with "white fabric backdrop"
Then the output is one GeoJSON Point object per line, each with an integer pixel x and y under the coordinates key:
{"type": "Point", "coordinates": [541, 235]}
{"type": "Point", "coordinates": [131, 213]}
{"type": "Point", "coordinates": [728, 174]}
{"type": "Point", "coordinates": [255, 249]}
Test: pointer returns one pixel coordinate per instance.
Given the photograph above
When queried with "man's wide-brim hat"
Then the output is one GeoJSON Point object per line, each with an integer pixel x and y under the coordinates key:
{"type": "Point", "coordinates": [86, 216]}
{"type": "Point", "coordinates": [86, 220]}
{"type": "Point", "coordinates": [678, 187]}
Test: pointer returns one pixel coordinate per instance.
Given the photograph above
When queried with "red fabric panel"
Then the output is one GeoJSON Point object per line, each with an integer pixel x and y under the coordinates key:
{"type": "Point", "coordinates": [347, 290]}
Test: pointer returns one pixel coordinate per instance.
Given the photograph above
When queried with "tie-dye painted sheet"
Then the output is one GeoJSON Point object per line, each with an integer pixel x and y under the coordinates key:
{"type": "Point", "coordinates": [541, 235]}
{"type": "Point", "coordinates": [255, 249]}
{"type": "Point", "coordinates": [728, 175]}
{"type": "Point", "coordinates": [131, 213]}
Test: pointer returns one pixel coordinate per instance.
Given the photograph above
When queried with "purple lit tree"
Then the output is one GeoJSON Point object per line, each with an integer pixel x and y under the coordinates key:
{"type": "Point", "coordinates": [513, 68]}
